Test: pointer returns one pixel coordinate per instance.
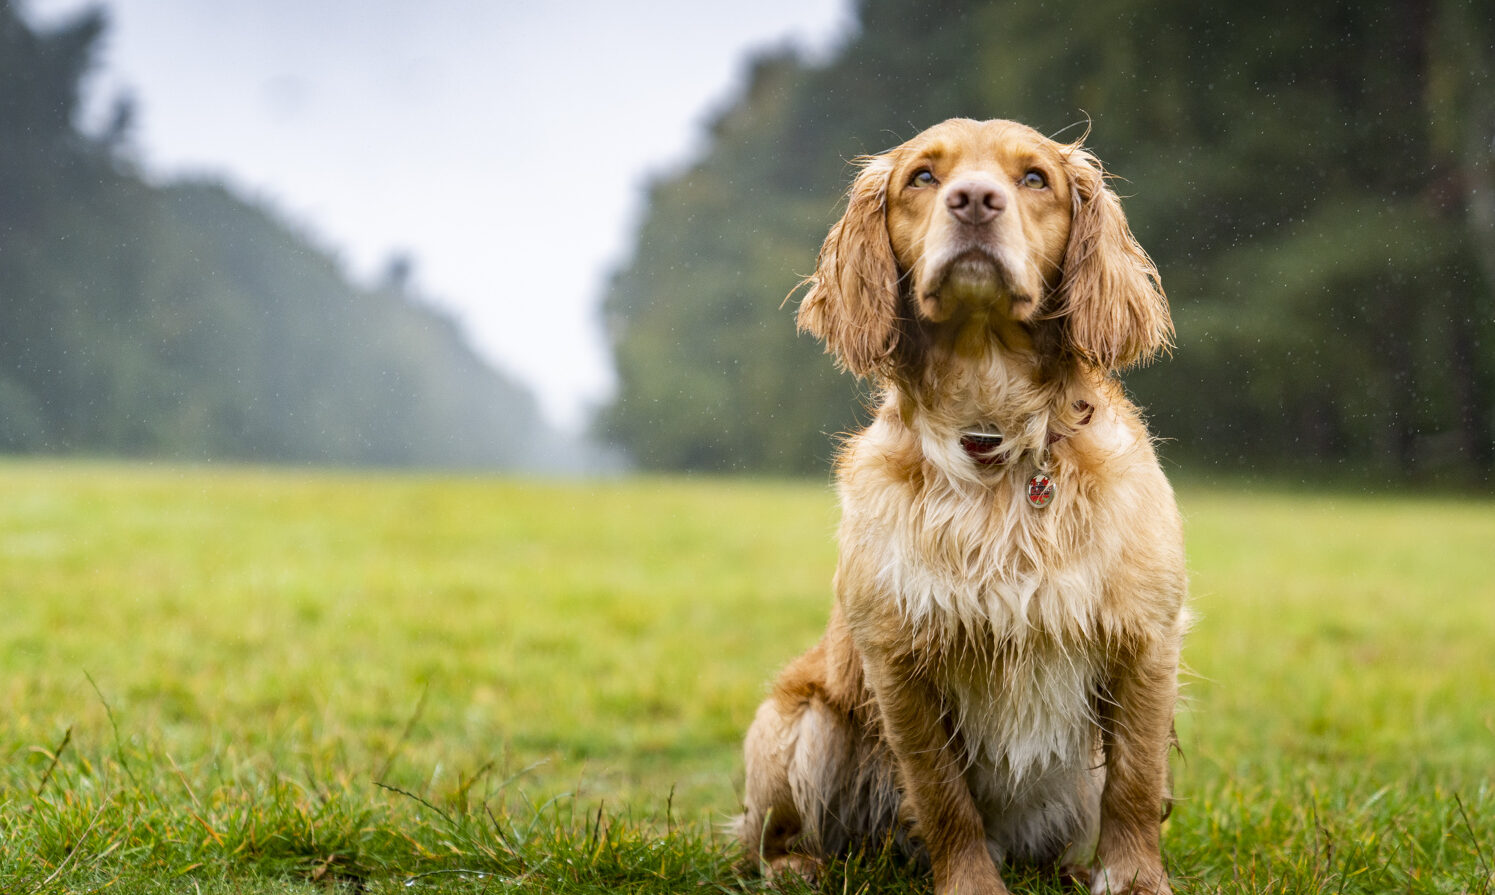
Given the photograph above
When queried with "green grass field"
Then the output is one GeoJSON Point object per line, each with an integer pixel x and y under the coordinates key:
{"type": "Point", "coordinates": [238, 680]}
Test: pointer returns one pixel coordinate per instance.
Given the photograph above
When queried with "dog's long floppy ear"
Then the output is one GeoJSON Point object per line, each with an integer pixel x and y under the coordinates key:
{"type": "Point", "coordinates": [853, 300]}
{"type": "Point", "coordinates": [1112, 306]}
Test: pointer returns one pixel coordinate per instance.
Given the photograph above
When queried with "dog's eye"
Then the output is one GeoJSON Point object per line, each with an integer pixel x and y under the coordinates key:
{"type": "Point", "coordinates": [922, 177]}
{"type": "Point", "coordinates": [1034, 180]}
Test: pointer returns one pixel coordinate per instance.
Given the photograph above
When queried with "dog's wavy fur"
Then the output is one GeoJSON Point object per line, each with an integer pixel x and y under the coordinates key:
{"type": "Point", "coordinates": [997, 681]}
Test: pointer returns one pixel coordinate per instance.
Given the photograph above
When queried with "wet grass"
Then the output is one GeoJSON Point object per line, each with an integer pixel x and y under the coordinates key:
{"type": "Point", "coordinates": [243, 680]}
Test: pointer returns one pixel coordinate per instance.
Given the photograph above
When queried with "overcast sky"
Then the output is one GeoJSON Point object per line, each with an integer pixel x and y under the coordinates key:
{"type": "Point", "coordinates": [502, 144]}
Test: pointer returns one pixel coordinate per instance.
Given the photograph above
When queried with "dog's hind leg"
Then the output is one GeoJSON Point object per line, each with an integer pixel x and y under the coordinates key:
{"type": "Point", "coordinates": [797, 755]}
{"type": "Point", "coordinates": [819, 782]}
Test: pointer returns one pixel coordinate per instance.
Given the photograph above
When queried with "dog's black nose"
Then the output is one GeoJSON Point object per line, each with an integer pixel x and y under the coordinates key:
{"type": "Point", "coordinates": [975, 201]}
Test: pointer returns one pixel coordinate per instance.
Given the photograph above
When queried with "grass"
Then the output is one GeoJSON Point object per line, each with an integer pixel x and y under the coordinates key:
{"type": "Point", "coordinates": [241, 680]}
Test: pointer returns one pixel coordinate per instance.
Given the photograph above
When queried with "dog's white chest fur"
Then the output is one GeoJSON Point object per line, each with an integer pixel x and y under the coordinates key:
{"type": "Point", "coordinates": [1027, 726]}
{"type": "Point", "coordinates": [1024, 668]}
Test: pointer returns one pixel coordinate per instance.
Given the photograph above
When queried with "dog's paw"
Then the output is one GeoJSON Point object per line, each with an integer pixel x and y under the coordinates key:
{"type": "Point", "coordinates": [1116, 880]}
{"type": "Point", "coordinates": [1071, 875]}
{"type": "Point", "coordinates": [786, 868]}
{"type": "Point", "coordinates": [973, 879]}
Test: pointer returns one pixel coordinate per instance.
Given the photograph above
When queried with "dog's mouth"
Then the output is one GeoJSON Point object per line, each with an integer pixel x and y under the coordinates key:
{"type": "Point", "coordinates": [975, 266]}
{"type": "Point", "coordinates": [976, 271]}
{"type": "Point", "coordinates": [976, 277]}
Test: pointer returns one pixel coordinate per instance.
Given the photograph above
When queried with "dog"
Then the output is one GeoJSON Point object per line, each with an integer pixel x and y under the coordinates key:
{"type": "Point", "coordinates": [998, 677]}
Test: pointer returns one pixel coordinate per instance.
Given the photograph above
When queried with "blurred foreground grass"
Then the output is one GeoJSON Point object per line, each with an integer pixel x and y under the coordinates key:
{"type": "Point", "coordinates": [225, 662]}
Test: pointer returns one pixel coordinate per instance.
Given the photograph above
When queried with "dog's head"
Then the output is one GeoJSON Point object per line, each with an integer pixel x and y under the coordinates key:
{"type": "Point", "coordinates": [989, 217]}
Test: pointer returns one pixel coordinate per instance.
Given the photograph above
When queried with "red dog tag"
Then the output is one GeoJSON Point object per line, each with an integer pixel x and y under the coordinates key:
{"type": "Point", "coordinates": [1040, 491]}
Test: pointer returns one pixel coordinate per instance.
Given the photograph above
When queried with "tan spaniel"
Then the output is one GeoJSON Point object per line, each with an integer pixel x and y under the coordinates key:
{"type": "Point", "coordinates": [998, 678]}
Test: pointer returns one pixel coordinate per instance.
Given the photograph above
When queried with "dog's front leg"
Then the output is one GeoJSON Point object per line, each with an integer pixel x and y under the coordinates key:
{"type": "Point", "coordinates": [1136, 724]}
{"type": "Point", "coordinates": [930, 766]}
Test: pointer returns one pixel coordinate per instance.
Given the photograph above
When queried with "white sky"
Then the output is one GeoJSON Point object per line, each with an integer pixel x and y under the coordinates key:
{"type": "Point", "coordinates": [503, 144]}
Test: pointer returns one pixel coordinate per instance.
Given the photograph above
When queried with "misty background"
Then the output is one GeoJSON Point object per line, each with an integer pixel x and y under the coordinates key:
{"type": "Point", "coordinates": [557, 237]}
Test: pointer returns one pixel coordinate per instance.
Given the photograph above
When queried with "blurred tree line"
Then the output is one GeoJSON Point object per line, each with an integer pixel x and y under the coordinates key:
{"type": "Point", "coordinates": [1315, 181]}
{"type": "Point", "coordinates": [181, 321]}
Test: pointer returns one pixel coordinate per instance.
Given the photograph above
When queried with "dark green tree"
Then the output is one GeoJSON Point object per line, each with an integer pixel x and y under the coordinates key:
{"type": "Point", "coordinates": [182, 321]}
{"type": "Point", "coordinates": [1314, 181]}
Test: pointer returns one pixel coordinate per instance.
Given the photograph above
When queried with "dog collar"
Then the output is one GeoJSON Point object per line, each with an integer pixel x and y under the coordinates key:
{"type": "Point", "coordinates": [981, 445]}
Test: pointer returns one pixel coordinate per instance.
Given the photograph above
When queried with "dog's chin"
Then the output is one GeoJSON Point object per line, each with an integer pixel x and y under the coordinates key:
{"type": "Point", "coordinates": [974, 282]}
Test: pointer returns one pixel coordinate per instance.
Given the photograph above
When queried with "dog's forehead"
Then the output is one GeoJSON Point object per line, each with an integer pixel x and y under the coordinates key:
{"type": "Point", "coordinates": [962, 140]}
